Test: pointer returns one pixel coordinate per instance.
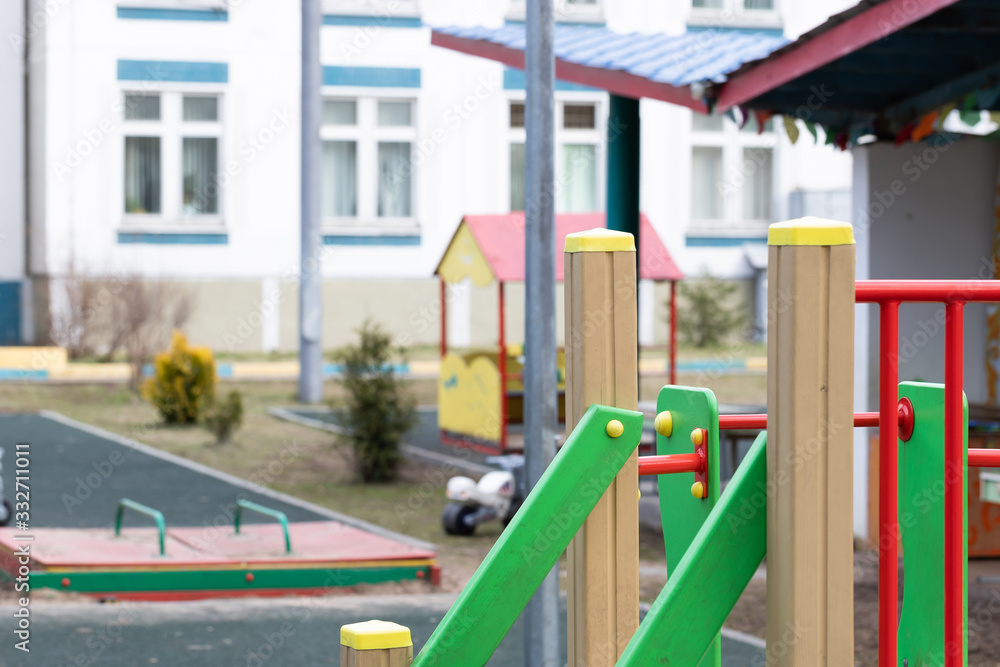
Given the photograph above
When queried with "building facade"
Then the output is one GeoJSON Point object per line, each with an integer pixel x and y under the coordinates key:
{"type": "Point", "coordinates": [160, 138]}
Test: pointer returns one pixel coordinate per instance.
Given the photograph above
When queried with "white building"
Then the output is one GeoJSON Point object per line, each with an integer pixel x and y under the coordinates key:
{"type": "Point", "coordinates": [162, 139]}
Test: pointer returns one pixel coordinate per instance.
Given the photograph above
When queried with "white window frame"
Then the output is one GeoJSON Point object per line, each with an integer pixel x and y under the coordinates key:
{"type": "Point", "coordinates": [732, 14]}
{"type": "Point", "coordinates": [378, 8]}
{"type": "Point", "coordinates": [596, 136]}
{"type": "Point", "coordinates": [171, 129]}
{"type": "Point", "coordinates": [213, 5]}
{"type": "Point", "coordinates": [367, 133]}
{"type": "Point", "coordinates": [564, 10]}
{"type": "Point", "coordinates": [732, 141]}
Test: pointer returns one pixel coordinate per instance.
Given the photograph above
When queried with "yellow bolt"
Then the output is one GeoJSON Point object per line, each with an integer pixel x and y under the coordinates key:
{"type": "Point", "coordinates": [698, 490]}
{"type": "Point", "coordinates": [640, 495]}
{"type": "Point", "coordinates": [615, 428]}
{"type": "Point", "coordinates": [696, 437]}
{"type": "Point", "coordinates": [664, 423]}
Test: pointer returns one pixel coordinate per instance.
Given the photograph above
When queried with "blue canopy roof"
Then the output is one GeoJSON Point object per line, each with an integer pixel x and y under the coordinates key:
{"type": "Point", "coordinates": [704, 55]}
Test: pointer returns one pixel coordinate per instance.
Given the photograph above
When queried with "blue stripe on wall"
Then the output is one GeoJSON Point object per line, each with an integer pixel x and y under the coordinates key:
{"type": "Point", "coordinates": [513, 79]}
{"type": "Point", "coordinates": [728, 30]}
{"type": "Point", "coordinates": [173, 238]}
{"type": "Point", "coordinates": [722, 241]}
{"type": "Point", "coordinates": [373, 21]}
{"type": "Point", "coordinates": [10, 313]}
{"type": "Point", "coordinates": [383, 77]}
{"type": "Point", "coordinates": [170, 70]}
{"type": "Point", "coordinates": [374, 239]}
{"type": "Point", "coordinates": [148, 14]}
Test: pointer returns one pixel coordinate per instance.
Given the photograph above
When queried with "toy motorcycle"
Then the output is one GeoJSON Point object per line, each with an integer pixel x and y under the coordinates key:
{"type": "Point", "coordinates": [6, 511]}
{"type": "Point", "coordinates": [498, 495]}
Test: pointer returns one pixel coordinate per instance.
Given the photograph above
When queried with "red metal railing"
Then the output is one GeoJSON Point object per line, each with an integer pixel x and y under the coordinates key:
{"type": "Point", "coordinates": [889, 294]}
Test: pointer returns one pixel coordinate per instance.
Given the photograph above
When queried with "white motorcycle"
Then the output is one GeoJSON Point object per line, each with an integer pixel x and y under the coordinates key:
{"type": "Point", "coordinates": [6, 511]}
{"type": "Point", "coordinates": [497, 495]}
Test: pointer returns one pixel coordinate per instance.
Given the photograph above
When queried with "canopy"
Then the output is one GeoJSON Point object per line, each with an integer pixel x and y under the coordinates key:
{"type": "Point", "coordinates": [657, 66]}
{"type": "Point", "coordinates": [491, 247]}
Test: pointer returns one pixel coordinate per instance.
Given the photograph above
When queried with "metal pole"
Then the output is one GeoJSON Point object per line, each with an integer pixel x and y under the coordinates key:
{"type": "Point", "coordinates": [541, 641]}
{"type": "Point", "coordinates": [311, 269]}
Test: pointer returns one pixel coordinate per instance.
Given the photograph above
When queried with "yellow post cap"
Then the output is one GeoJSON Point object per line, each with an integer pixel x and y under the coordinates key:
{"type": "Point", "coordinates": [810, 231]}
{"type": "Point", "coordinates": [373, 635]}
{"type": "Point", "coordinates": [664, 423]}
{"type": "Point", "coordinates": [697, 437]}
{"type": "Point", "coordinates": [615, 428]}
{"type": "Point", "coordinates": [600, 240]}
{"type": "Point", "coordinates": [698, 490]}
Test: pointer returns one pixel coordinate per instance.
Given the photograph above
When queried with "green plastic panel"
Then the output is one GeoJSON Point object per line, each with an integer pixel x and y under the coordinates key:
{"type": "Point", "coordinates": [681, 513]}
{"type": "Point", "coordinates": [685, 620]}
{"type": "Point", "coordinates": [221, 580]}
{"type": "Point", "coordinates": [541, 530]}
{"type": "Point", "coordinates": [921, 522]}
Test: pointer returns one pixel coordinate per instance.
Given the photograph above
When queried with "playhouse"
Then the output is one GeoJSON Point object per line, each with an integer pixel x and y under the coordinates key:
{"type": "Point", "coordinates": [481, 391]}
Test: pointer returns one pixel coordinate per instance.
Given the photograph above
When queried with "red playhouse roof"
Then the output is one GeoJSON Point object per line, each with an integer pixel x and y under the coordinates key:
{"type": "Point", "coordinates": [500, 238]}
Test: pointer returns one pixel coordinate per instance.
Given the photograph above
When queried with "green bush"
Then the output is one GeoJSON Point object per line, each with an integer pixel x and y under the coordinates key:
{"type": "Point", "coordinates": [707, 313]}
{"type": "Point", "coordinates": [183, 382]}
{"type": "Point", "coordinates": [378, 412]}
{"type": "Point", "coordinates": [225, 416]}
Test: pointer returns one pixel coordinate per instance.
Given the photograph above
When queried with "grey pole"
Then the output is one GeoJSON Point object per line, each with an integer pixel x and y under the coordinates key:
{"type": "Point", "coordinates": [541, 641]}
{"type": "Point", "coordinates": [311, 269]}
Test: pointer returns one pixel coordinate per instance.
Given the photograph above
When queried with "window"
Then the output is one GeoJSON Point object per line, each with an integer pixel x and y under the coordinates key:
{"type": "Point", "coordinates": [564, 10]}
{"type": "Point", "coordinates": [731, 176]}
{"type": "Point", "coordinates": [578, 158]}
{"type": "Point", "coordinates": [735, 13]}
{"type": "Point", "coordinates": [367, 177]}
{"type": "Point", "coordinates": [171, 160]}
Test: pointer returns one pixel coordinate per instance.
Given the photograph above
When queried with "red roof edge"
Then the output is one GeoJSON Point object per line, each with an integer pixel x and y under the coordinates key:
{"type": "Point", "coordinates": [812, 50]}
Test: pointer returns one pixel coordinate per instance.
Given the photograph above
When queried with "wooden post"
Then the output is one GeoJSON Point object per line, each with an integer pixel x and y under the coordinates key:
{"type": "Point", "coordinates": [810, 387]}
{"type": "Point", "coordinates": [375, 644]}
{"type": "Point", "coordinates": [602, 367]}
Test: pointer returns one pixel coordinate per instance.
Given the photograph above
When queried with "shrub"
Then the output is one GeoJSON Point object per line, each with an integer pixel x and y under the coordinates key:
{"type": "Point", "coordinates": [183, 383]}
{"type": "Point", "coordinates": [708, 314]}
{"type": "Point", "coordinates": [225, 416]}
{"type": "Point", "coordinates": [378, 412]}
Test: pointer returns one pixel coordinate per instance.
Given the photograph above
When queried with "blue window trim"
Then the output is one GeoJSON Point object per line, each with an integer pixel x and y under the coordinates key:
{"type": "Point", "coordinates": [513, 79]}
{"type": "Point", "coordinates": [371, 240]}
{"type": "Point", "coordinates": [172, 238]}
{"type": "Point", "coordinates": [373, 21]}
{"type": "Point", "coordinates": [150, 14]}
{"type": "Point", "coordinates": [722, 241]}
{"type": "Point", "coordinates": [173, 70]}
{"type": "Point", "coordinates": [734, 30]}
{"type": "Point", "coordinates": [378, 77]}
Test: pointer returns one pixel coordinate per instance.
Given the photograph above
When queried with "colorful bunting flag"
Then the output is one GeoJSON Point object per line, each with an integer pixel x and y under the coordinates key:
{"type": "Point", "coordinates": [811, 128]}
{"type": "Point", "coordinates": [925, 127]}
{"type": "Point", "coordinates": [762, 118]}
{"type": "Point", "coordinates": [905, 134]}
{"type": "Point", "coordinates": [791, 128]}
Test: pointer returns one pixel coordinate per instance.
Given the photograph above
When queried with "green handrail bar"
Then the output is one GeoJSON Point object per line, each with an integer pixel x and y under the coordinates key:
{"type": "Point", "coordinates": [155, 514]}
{"type": "Point", "coordinates": [690, 610]}
{"type": "Point", "coordinates": [266, 511]}
{"type": "Point", "coordinates": [531, 545]}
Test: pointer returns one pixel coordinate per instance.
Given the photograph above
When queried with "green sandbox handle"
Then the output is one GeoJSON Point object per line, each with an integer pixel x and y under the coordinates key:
{"type": "Point", "coordinates": [156, 515]}
{"type": "Point", "coordinates": [541, 530]}
{"type": "Point", "coordinates": [266, 511]}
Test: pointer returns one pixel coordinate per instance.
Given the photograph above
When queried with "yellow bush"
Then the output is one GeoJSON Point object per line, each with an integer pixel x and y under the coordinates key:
{"type": "Point", "coordinates": [183, 382]}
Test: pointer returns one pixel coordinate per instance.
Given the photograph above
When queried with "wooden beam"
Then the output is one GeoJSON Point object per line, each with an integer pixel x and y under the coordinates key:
{"type": "Point", "coordinates": [602, 367]}
{"type": "Point", "coordinates": [810, 388]}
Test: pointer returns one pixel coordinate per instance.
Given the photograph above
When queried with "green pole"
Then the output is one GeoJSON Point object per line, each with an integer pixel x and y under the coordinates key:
{"type": "Point", "coordinates": [623, 166]}
{"type": "Point", "coordinates": [623, 176]}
